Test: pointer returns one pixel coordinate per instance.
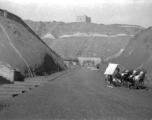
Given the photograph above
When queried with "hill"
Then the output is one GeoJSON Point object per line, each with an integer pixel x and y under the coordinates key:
{"type": "Point", "coordinates": [138, 52]}
{"type": "Point", "coordinates": [23, 50]}
{"type": "Point", "coordinates": [84, 39]}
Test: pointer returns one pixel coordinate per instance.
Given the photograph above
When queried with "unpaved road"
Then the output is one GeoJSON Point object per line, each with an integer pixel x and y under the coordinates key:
{"type": "Point", "coordinates": [80, 95]}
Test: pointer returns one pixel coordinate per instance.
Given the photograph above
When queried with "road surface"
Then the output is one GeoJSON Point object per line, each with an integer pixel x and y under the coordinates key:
{"type": "Point", "coordinates": [80, 95]}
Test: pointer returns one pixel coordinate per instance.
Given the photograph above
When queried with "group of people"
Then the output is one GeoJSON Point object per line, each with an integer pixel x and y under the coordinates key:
{"type": "Point", "coordinates": [128, 78]}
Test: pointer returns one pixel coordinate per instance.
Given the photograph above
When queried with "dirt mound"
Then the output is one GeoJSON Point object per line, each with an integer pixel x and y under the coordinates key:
{"type": "Point", "coordinates": [22, 49]}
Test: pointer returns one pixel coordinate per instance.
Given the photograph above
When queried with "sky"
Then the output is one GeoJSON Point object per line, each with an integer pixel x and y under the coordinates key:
{"type": "Point", "coordinates": [134, 12]}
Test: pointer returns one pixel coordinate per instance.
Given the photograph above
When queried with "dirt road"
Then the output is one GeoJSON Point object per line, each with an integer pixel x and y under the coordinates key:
{"type": "Point", "coordinates": [81, 94]}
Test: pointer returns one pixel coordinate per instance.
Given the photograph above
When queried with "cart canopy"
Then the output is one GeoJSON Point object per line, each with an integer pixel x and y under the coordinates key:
{"type": "Point", "coordinates": [111, 69]}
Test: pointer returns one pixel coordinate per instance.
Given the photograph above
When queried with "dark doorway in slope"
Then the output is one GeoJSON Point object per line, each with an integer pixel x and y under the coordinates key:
{"type": "Point", "coordinates": [49, 66]}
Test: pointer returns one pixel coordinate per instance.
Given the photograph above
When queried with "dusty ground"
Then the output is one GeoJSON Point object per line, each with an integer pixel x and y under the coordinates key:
{"type": "Point", "coordinates": [81, 94]}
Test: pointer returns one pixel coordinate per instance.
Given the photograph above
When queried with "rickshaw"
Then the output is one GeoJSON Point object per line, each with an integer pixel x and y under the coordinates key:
{"type": "Point", "coordinates": [110, 73]}
{"type": "Point", "coordinates": [142, 82]}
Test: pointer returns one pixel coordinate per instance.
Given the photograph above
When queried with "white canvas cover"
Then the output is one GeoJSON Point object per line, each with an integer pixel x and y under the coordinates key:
{"type": "Point", "coordinates": [110, 69]}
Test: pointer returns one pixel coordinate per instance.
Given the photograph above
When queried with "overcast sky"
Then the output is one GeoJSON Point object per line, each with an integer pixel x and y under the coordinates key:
{"type": "Point", "coordinates": [136, 12]}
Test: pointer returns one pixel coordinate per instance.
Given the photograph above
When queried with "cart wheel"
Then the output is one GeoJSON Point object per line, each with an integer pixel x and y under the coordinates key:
{"type": "Point", "coordinates": [146, 83]}
{"type": "Point", "coordinates": [139, 84]}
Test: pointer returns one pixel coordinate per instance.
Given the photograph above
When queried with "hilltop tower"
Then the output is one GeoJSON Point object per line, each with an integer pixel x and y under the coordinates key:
{"type": "Point", "coordinates": [83, 18]}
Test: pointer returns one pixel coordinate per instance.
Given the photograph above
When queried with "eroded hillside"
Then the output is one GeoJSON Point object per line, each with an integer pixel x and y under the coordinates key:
{"type": "Point", "coordinates": [84, 39]}
{"type": "Point", "coordinates": [23, 50]}
{"type": "Point", "coordinates": [138, 53]}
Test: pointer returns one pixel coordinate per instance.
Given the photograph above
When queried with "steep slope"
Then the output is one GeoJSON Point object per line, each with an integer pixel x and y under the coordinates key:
{"type": "Point", "coordinates": [85, 39]}
{"type": "Point", "coordinates": [138, 53]}
{"type": "Point", "coordinates": [89, 46]}
{"type": "Point", "coordinates": [22, 49]}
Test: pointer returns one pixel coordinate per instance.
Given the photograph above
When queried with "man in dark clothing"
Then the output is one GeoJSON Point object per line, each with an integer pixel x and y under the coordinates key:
{"type": "Point", "coordinates": [117, 77]}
